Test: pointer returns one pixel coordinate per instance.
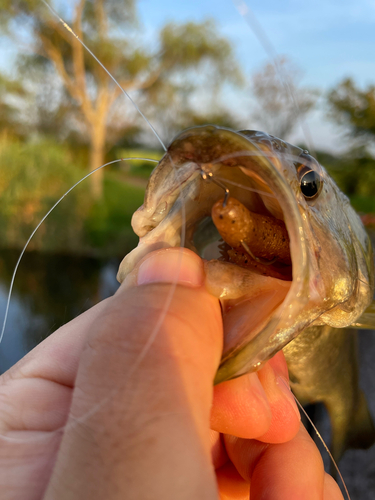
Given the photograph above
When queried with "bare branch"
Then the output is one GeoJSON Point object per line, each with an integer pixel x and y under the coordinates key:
{"type": "Point", "coordinates": [56, 57]}
{"type": "Point", "coordinates": [79, 62]}
{"type": "Point", "coordinates": [102, 18]}
{"type": "Point", "coordinates": [135, 84]}
{"type": "Point", "coordinates": [59, 28]}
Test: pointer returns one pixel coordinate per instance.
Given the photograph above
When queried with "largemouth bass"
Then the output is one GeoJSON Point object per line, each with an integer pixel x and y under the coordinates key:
{"type": "Point", "coordinates": [295, 291]}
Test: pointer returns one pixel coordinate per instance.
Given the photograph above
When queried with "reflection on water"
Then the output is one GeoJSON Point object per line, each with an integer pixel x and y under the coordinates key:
{"type": "Point", "coordinates": [49, 291]}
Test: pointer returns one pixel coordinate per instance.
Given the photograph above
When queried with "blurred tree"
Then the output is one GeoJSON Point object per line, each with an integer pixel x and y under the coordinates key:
{"type": "Point", "coordinates": [12, 93]}
{"type": "Point", "coordinates": [354, 108]}
{"type": "Point", "coordinates": [280, 103]}
{"type": "Point", "coordinates": [88, 104]}
{"type": "Point", "coordinates": [354, 170]}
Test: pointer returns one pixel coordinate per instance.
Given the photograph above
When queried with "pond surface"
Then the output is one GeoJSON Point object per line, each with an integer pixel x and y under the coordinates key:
{"type": "Point", "coordinates": [52, 289]}
{"type": "Point", "coordinates": [49, 291]}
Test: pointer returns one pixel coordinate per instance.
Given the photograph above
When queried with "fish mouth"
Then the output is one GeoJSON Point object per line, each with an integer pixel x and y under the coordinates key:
{"type": "Point", "coordinates": [206, 172]}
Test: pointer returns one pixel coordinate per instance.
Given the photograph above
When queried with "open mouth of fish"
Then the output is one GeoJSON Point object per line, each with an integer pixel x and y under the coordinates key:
{"type": "Point", "coordinates": [228, 197]}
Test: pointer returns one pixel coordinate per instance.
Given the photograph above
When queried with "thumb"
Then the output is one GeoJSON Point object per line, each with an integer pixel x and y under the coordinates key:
{"type": "Point", "coordinates": [141, 403]}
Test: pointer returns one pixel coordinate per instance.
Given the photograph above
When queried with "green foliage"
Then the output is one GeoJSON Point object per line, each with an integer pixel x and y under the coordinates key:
{"type": "Point", "coordinates": [363, 204]}
{"type": "Point", "coordinates": [188, 45]}
{"type": "Point", "coordinates": [33, 177]}
{"type": "Point", "coordinates": [354, 108]}
{"type": "Point", "coordinates": [107, 226]}
{"type": "Point", "coordinates": [354, 171]}
{"type": "Point", "coordinates": [138, 168]}
{"type": "Point", "coordinates": [76, 100]}
{"type": "Point", "coordinates": [166, 75]}
{"type": "Point", "coordinates": [192, 64]}
{"type": "Point", "coordinates": [9, 113]}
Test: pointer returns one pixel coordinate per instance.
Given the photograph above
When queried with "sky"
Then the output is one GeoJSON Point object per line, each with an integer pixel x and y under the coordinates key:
{"type": "Point", "coordinates": [328, 40]}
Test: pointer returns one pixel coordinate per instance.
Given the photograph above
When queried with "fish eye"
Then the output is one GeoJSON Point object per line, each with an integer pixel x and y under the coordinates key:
{"type": "Point", "coordinates": [308, 171]}
{"type": "Point", "coordinates": [311, 184]}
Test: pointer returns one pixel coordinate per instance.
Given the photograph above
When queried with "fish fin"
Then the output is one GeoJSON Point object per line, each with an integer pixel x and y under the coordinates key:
{"type": "Point", "coordinates": [362, 434]}
{"type": "Point", "coordinates": [367, 319]}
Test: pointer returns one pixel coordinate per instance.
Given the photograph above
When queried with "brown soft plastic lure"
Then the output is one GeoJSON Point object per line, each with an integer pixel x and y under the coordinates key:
{"type": "Point", "coordinates": [257, 241]}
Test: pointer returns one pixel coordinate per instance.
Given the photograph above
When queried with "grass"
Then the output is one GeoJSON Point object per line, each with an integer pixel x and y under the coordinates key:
{"type": "Point", "coordinates": [107, 226]}
{"type": "Point", "coordinates": [139, 168]}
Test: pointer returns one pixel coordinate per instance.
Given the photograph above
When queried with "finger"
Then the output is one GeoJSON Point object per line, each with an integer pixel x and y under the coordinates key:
{"type": "Point", "coordinates": [231, 485]}
{"type": "Point", "coordinates": [35, 399]}
{"type": "Point", "coordinates": [285, 421]}
{"type": "Point", "coordinates": [219, 456]}
{"type": "Point", "coordinates": [240, 407]}
{"type": "Point", "coordinates": [257, 405]}
{"type": "Point", "coordinates": [139, 418]}
{"type": "Point", "coordinates": [291, 470]}
{"type": "Point", "coordinates": [331, 489]}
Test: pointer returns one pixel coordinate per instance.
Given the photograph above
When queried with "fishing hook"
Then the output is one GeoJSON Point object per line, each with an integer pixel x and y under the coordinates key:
{"type": "Point", "coordinates": [210, 176]}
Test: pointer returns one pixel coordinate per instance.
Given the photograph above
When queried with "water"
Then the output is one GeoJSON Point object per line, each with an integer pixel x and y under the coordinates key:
{"type": "Point", "coordinates": [50, 290]}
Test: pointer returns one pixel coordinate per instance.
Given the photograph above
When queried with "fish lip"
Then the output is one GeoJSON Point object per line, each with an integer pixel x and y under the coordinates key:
{"type": "Point", "coordinates": [200, 146]}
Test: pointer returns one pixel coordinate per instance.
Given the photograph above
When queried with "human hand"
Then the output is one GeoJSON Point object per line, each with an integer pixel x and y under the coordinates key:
{"type": "Point", "coordinates": [117, 404]}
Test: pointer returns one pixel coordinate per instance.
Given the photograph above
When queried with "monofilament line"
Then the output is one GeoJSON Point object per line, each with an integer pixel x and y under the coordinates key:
{"type": "Point", "coordinates": [271, 52]}
{"type": "Point", "coordinates": [323, 442]}
{"type": "Point", "coordinates": [41, 222]}
{"type": "Point", "coordinates": [183, 212]}
{"type": "Point", "coordinates": [68, 28]}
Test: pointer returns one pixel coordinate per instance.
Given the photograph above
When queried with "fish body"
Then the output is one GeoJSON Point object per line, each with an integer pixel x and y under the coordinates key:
{"type": "Point", "coordinates": [330, 251]}
{"type": "Point", "coordinates": [323, 368]}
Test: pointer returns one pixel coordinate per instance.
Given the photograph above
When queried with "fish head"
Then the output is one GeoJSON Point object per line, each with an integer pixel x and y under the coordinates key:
{"type": "Point", "coordinates": [330, 278]}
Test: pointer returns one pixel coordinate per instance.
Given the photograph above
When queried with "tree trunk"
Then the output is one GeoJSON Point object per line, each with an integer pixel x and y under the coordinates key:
{"type": "Point", "coordinates": [97, 159]}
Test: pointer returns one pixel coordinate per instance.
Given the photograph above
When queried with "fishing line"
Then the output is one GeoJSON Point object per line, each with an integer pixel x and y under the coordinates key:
{"type": "Point", "coordinates": [255, 26]}
{"type": "Point", "coordinates": [269, 156]}
{"type": "Point", "coordinates": [67, 27]}
{"type": "Point", "coordinates": [41, 222]}
{"type": "Point", "coordinates": [81, 420]}
{"type": "Point", "coordinates": [246, 188]}
{"type": "Point", "coordinates": [168, 301]}
{"type": "Point", "coordinates": [321, 439]}
{"type": "Point", "coordinates": [183, 214]}
{"type": "Point", "coordinates": [156, 328]}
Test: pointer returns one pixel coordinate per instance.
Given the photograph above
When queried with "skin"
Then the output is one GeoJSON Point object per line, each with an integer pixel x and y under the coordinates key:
{"type": "Point", "coordinates": [108, 407]}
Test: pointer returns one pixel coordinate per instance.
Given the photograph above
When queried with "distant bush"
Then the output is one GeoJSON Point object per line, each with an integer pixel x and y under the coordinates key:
{"type": "Point", "coordinates": [138, 168]}
{"type": "Point", "coordinates": [354, 172]}
{"type": "Point", "coordinates": [35, 175]}
{"type": "Point", "coordinates": [107, 226]}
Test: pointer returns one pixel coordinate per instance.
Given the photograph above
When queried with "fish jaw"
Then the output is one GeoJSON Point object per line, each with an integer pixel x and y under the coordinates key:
{"type": "Point", "coordinates": [177, 198]}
